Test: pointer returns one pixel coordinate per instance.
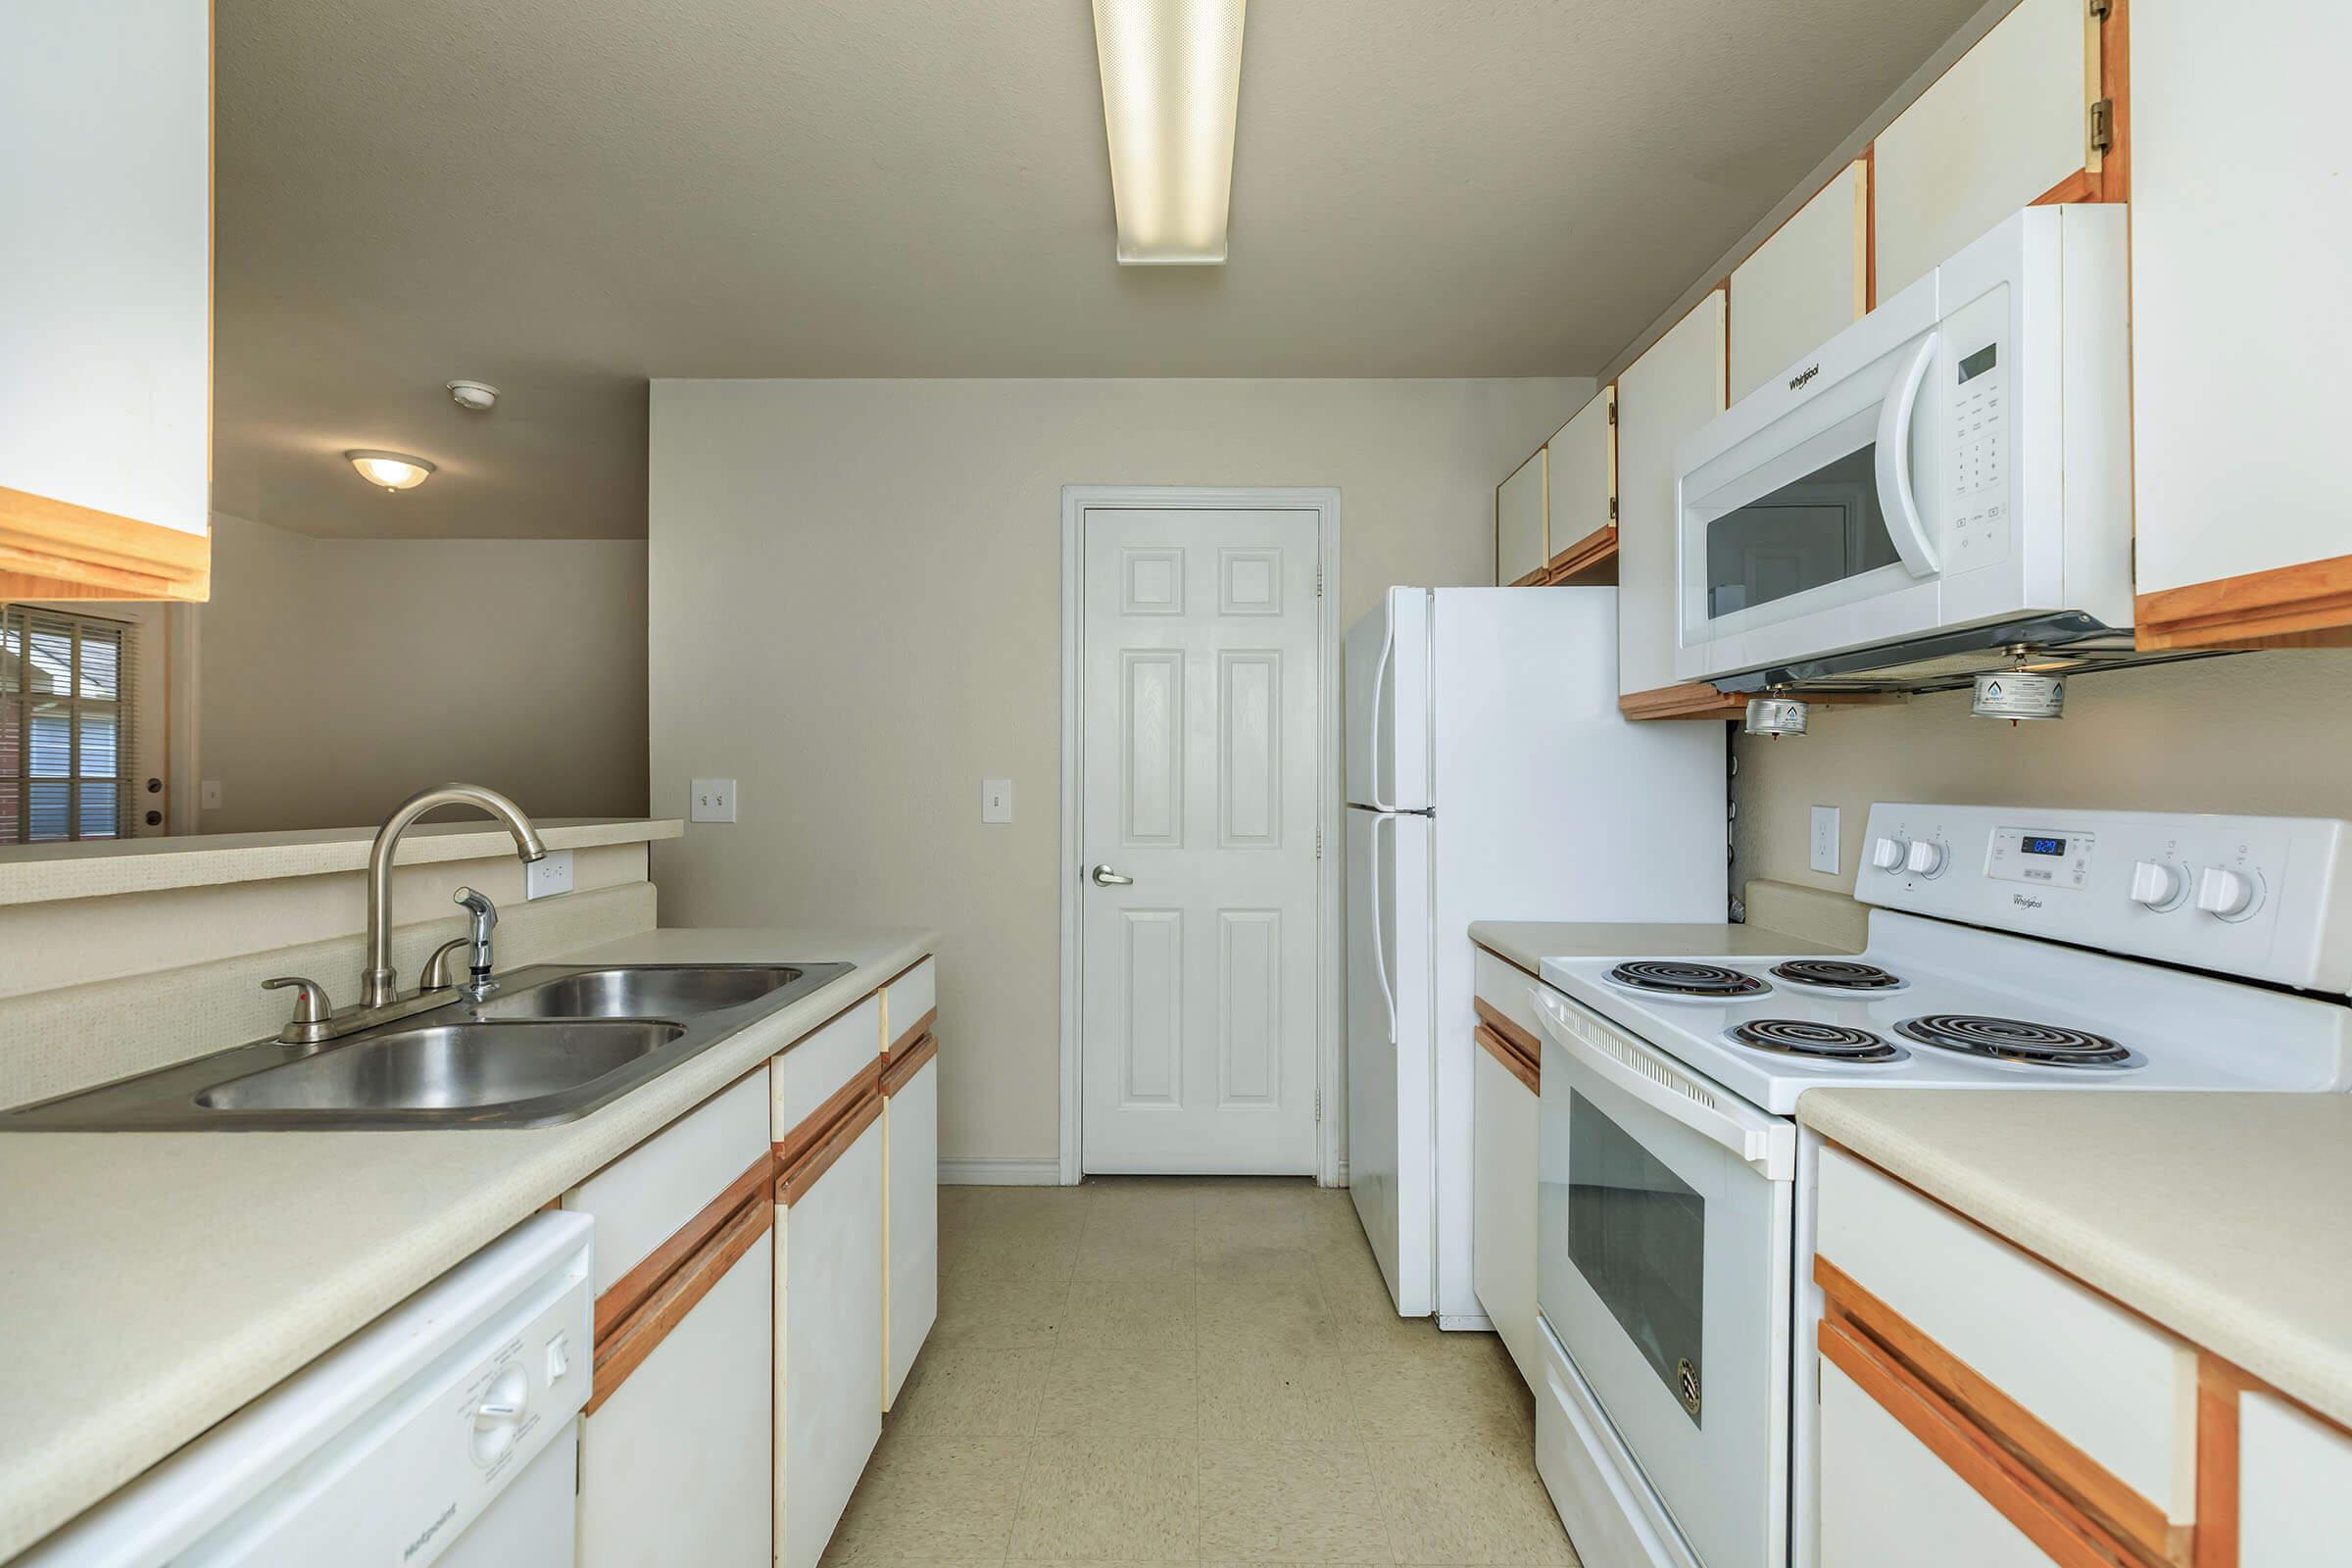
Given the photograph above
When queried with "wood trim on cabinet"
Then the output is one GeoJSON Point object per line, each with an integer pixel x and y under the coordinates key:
{"type": "Point", "coordinates": [812, 1130]}
{"type": "Point", "coordinates": [2306, 605]}
{"type": "Point", "coordinates": [624, 1350]}
{"type": "Point", "coordinates": [626, 1294]}
{"type": "Point", "coordinates": [2024, 1499]}
{"type": "Point", "coordinates": [1595, 549]}
{"type": "Point", "coordinates": [1866, 207]}
{"type": "Point", "coordinates": [1518, 1065]}
{"type": "Point", "coordinates": [799, 1176]}
{"type": "Point", "coordinates": [910, 1035]}
{"type": "Point", "coordinates": [2115, 85]}
{"type": "Point", "coordinates": [1514, 1035]}
{"type": "Point", "coordinates": [2082, 185]}
{"type": "Point", "coordinates": [906, 1064]}
{"type": "Point", "coordinates": [2220, 1383]}
{"type": "Point", "coordinates": [1504, 957]}
{"type": "Point", "coordinates": [46, 543]}
{"type": "Point", "coordinates": [2065, 1469]}
{"type": "Point", "coordinates": [1691, 700]}
{"type": "Point", "coordinates": [1534, 580]}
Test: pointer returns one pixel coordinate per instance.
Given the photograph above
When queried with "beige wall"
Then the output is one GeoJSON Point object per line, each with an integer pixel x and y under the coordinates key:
{"type": "Point", "coordinates": [339, 675]}
{"type": "Point", "coordinates": [2263, 733]}
{"type": "Point", "coordinates": [856, 611]}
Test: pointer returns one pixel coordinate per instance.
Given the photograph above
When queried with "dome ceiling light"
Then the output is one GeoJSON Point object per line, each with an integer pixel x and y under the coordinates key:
{"type": "Point", "coordinates": [390, 471]}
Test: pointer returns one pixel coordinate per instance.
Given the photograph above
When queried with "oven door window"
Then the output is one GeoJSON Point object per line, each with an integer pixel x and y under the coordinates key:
{"type": "Point", "coordinates": [1637, 1234]}
{"type": "Point", "coordinates": [1820, 529]}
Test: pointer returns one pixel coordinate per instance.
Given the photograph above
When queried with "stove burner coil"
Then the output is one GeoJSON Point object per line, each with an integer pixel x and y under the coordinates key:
{"type": "Point", "coordinates": [1674, 978]}
{"type": "Point", "coordinates": [2017, 1040]}
{"type": "Point", "coordinates": [1819, 1042]}
{"type": "Point", "coordinates": [1838, 974]}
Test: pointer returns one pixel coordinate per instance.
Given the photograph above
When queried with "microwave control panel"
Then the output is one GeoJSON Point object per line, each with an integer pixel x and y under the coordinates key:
{"type": "Point", "coordinates": [1975, 370]}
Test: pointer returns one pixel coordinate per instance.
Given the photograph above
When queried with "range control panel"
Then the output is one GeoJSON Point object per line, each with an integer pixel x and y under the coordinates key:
{"type": "Point", "coordinates": [2263, 897]}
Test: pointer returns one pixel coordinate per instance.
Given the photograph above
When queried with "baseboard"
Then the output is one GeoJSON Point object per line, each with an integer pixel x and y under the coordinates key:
{"type": "Point", "coordinates": [1465, 1323]}
{"type": "Point", "coordinates": [1000, 1173]}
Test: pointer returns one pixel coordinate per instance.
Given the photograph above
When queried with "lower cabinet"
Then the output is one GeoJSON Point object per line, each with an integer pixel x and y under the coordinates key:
{"type": "Point", "coordinates": [828, 1326]}
{"type": "Point", "coordinates": [674, 1449]}
{"type": "Point", "coordinates": [909, 1209]}
{"type": "Point", "coordinates": [2294, 1486]}
{"type": "Point", "coordinates": [1502, 1246]}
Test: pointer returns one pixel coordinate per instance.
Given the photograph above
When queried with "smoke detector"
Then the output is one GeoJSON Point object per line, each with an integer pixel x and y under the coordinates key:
{"type": "Point", "coordinates": [475, 397]}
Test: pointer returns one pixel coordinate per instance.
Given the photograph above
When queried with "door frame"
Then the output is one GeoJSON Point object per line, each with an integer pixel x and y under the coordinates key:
{"type": "Point", "coordinates": [1324, 502]}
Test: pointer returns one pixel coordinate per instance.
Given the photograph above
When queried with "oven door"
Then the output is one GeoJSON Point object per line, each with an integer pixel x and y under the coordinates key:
{"type": "Point", "coordinates": [1664, 1268]}
{"type": "Point", "coordinates": [1807, 523]}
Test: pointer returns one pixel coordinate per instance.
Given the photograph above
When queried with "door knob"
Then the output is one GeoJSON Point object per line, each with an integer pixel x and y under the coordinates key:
{"type": "Point", "coordinates": [1104, 877]}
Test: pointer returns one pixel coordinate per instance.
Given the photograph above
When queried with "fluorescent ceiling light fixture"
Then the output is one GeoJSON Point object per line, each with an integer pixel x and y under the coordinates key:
{"type": "Point", "coordinates": [394, 471]}
{"type": "Point", "coordinates": [1171, 88]}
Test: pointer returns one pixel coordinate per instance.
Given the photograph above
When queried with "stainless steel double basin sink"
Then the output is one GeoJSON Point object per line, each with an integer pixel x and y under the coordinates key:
{"type": "Point", "coordinates": [554, 1044]}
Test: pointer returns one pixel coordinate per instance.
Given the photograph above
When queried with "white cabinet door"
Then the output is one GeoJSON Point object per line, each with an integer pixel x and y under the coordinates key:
{"type": "Point", "coordinates": [1580, 473]}
{"type": "Point", "coordinates": [828, 1327]}
{"type": "Point", "coordinates": [910, 1158]}
{"type": "Point", "coordinates": [2239, 335]}
{"type": "Point", "coordinates": [2006, 124]}
{"type": "Point", "coordinates": [2294, 1486]}
{"type": "Point", "coordinates": [1502, 1262]}
{"type": "Point", "coordinates": [1804, 285]}
{"type": "Point", "coordinates": [675, 1465]}
{"type": "Point", "coordinates": [1672, 390]}
{"type": "Point", "coordinates": [1519, 545]}
{"type": "Point", "coordinates": [1887, 1501]}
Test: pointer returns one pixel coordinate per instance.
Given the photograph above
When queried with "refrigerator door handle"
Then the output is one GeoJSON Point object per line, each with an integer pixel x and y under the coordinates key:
{"type": "Point", "coordinates": [1380, 943]}
{"type": "Point", "coordinates": [1380, 679]}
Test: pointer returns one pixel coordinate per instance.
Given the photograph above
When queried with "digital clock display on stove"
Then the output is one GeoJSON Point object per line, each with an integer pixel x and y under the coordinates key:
{"type": "Point", "coordinates": [2041, 846]}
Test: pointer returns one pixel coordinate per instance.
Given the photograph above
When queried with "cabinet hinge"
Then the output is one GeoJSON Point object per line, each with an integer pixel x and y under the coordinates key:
{"type": "Point", "coordinates": [2102, 125]}
{"type": "Point", "coordinates": [2101, 10]}
{"type": "Point", "coordinates": [1612, 411]}
{"type": "Point", "coordinates": [1612, 510]}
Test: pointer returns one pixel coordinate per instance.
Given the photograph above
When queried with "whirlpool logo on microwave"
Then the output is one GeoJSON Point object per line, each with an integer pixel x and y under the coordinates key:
{"type": "Point", "coordinates": [1796, 382]}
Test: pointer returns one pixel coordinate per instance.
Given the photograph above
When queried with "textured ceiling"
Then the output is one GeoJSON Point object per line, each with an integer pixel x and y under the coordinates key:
{"type": "Point", "coordinates": [567, 197]}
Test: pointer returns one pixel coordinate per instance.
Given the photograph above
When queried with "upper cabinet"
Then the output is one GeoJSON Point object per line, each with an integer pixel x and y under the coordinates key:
{"type": "Point", "coordinates": [1673, 389]}
{"type": "Point", "coordinates": [1582, 507]}
{"type": "Point", "coordinates": [2240, 227]}
{"type": "Point", "coordinates": [106, 263]}
{"type": "Point", "coordinates": [1806, 284]}
{"type": "Point", "coordinates": [2009, 123]}
{"type": "Point", "coordinates": [1519, 546]}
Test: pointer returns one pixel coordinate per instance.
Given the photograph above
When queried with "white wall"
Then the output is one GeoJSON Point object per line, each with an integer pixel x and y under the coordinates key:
{"type": "Point", "coordinates": [337, 677]}
{"type": "Point", "coordinates": [856, 613]}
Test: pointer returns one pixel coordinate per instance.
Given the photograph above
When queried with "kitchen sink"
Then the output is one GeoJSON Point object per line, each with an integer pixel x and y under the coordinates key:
{"type": "Point", "coordinates": [445, 1066]}
{"type": "Point", "coordinates": [642, 990]}
{"type": "Point", "coordinates": [552, 1044]}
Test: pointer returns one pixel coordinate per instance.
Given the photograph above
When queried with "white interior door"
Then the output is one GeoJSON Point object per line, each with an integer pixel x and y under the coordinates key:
{"type": "Point", "coordinates": [1198, 784]}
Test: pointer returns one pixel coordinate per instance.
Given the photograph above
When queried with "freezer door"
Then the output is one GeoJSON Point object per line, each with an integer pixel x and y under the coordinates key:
{"type": "Point", "coordinates": [1389, 1058]}
{"type": "Point", "coordinates": [1388, 704]}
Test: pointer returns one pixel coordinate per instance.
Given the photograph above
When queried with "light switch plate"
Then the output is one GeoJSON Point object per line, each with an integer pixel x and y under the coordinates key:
{"type": "Point", "coordinates": [714, 800]}
{"type": "Point", "coordinates": [1825, 840]}
{"type": "Point", "coordinates": [547, 875]}
{"type": "Point", "coordinates": [996, 800]}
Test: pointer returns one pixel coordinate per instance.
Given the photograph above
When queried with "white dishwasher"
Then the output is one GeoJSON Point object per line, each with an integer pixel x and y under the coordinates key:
{"type": "Point", "coordinates": [445, 1431]}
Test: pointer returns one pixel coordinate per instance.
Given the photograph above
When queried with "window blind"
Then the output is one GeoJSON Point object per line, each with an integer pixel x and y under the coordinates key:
{"type": "Point", "coordinates": [65, 725]}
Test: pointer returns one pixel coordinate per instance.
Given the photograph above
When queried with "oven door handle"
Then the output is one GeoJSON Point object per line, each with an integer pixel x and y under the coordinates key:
{"type": "Point", "coordinates": [1766, 1143]}
{"type": "Point", "coordinates": [1904, 525]}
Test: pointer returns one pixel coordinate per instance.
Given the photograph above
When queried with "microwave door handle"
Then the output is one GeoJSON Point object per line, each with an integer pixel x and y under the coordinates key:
{"type": "Point", "coordinates": [1904, 525]}
{"type": "Point", "coordinates": [1770, 1147]}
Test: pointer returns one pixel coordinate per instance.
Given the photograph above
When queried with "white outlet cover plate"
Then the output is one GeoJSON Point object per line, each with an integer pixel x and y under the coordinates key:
{"type": "Point", "coordinates": [996, 800]}
{"type": "Point", "coordinates": [1823, 856]}
{"type": "Point", "coordinates": [547, 877]}
{"type": "Point", "coordinates": [712, 800]}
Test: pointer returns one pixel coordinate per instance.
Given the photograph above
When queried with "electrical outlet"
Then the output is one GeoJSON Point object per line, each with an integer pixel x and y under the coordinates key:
{"type": "Point", "coordinates": [207, 795]}
{"type": "Point", "coordinates": [996, 800]}
{"type": "Point", "coordinates": [547, 875]}
{"type": "Point", "coordinates": [714, 800]}
{"type": "Point", "coordinates": [1825, 840]}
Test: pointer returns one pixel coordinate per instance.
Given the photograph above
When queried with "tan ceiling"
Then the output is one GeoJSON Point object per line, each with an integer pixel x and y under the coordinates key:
{"type": "Point", "coordinates": [568, 197]}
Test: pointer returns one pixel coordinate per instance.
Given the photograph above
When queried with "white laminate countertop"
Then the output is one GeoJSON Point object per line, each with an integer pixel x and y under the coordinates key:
{"type": "Point", "coordinates": [155, 1282]}
{"type": "Point", "coordinates": [2220, 1216]}
{"type": "Point", "coordinates": [1527, 943]}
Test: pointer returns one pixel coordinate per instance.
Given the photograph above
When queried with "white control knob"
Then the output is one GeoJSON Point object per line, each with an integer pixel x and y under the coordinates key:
{"type": "Point", "coordinates": [497, 1416]}
{"type": "Point", "coordinates": [2159, 885]}
{"type": "Point", "coordinates": [1925, 857]}
{"type": "Point", "coordinates": [2227, 894]}
{"type": "Point", "coordinates": [1887, 855]}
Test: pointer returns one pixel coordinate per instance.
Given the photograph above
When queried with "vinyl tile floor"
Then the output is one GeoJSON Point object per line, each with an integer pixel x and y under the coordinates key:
{"type": "Point", "coordinates": [1141, 1370]}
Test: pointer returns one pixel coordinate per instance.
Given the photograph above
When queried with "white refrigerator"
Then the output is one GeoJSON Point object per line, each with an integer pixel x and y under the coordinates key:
{"type": "Point", "coordinates": [1489, 777]}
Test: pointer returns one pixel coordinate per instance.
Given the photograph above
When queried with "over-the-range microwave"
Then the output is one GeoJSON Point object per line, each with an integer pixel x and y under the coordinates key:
{"type": "Point", "coordinates": [1959, 457]}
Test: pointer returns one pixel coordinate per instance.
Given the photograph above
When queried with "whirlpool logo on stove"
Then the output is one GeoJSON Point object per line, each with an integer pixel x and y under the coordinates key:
{"type": "Point", "coordinates": [2025, 901]}
{"type": "Point", "coordinates": [1796, 382]}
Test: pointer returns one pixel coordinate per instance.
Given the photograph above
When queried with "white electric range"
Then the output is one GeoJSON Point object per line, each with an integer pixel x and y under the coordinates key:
{"type": "Point", "coordinates": [1677, 1189]}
